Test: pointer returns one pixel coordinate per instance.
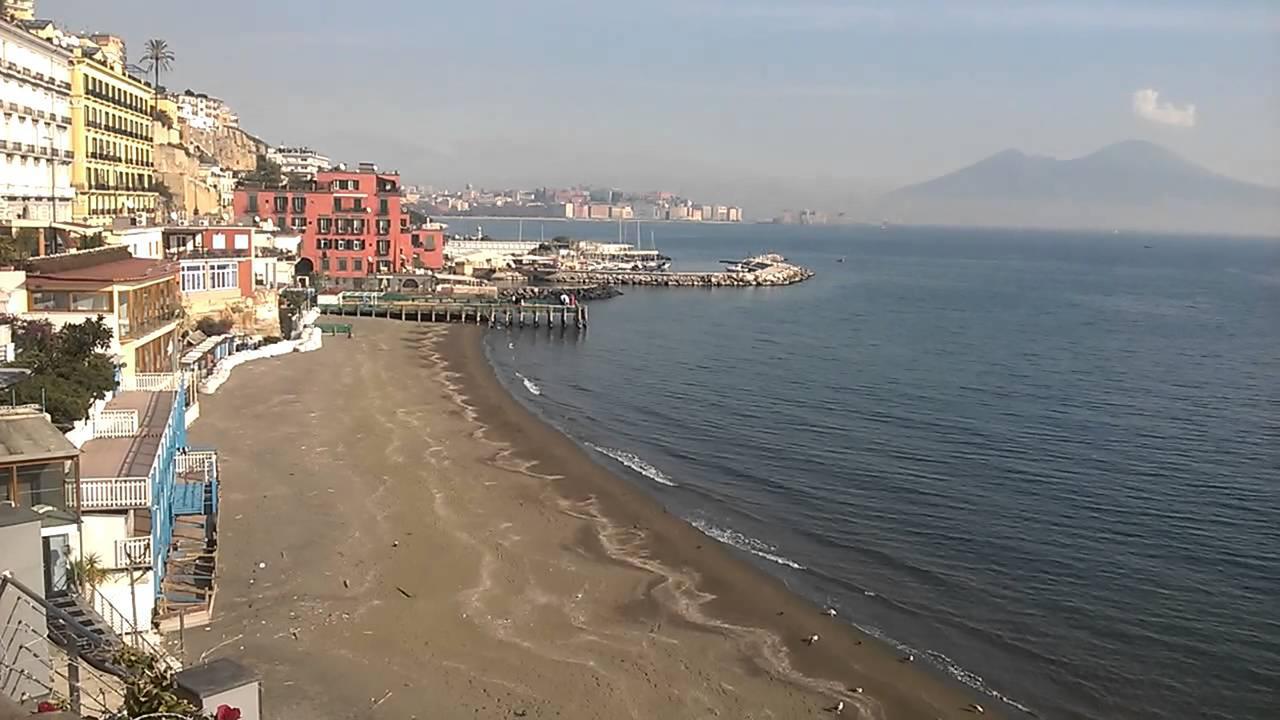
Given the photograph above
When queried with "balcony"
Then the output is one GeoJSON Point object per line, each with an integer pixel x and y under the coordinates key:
{"type": "Point", "coordinates": [116, 424]}
{"type": "Point", "coordinates": [122, 493]}
{"type": "Point", "coordinates": [133, 552]}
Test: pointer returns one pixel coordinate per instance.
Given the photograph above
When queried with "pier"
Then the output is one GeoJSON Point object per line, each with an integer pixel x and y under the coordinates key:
{"type": "Point", "coordinates": [479, 312]}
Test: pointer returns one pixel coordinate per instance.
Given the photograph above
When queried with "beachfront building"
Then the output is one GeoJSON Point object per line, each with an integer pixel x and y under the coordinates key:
{"type": "Point", "coordinates": [215, 266]}
{"type": "Point", "coordinates": [138, 297]}
{"type": "Point", "coordinates": [35, 128]}
{"type": "Point", "coordinates": [112, 140]}
{"type": "Point", "coordinates": [302, 162]}
{"type": "Point", "coordinates": [353, 225]}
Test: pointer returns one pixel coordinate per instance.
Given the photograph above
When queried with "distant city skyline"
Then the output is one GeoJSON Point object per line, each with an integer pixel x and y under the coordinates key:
{"type": "Point", "coordinates": [807, 103]}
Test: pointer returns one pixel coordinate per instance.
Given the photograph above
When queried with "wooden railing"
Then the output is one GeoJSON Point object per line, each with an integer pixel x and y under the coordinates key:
{"type": "Point", "coordinates": [133, 552]}
{"type": "Point", "coordinates": [115, 424]}
{"type": "Point", "coordinates": [205, 461]}
{"type": "Point", "coordinates": [151, 382]}
{"type": "Point", "coordinates": [113, 493]}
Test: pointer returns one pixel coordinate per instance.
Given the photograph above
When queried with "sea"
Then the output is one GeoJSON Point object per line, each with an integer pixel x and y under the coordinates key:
{"type": "Point", "coordinates": [1045, 463]}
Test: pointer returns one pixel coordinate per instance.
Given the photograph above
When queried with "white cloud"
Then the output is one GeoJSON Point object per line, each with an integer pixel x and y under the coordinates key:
{"type": "Point", "coordinates": [1147, 105]}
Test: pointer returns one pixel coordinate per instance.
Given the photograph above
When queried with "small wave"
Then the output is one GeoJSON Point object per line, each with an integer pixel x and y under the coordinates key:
{"type": "Point", "coordinates": [530, 385]}
{"type": "Point", "coordinates": [635, 462]}
{"type": "Point", "coordinates": [949, 666]}
{"type": "Point", "coordinates": [743, 542]}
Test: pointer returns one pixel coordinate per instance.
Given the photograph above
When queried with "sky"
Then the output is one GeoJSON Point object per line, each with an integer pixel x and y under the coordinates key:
{"type": "Point", "coordinates": [787, 103]}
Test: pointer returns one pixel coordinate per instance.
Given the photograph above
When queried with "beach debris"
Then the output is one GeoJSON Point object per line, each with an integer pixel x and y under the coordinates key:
{"type": "Point", "coordinates": [404, 592]}
{"type": "Point", "coordinates": [520, 713]}
{"type": "Point", "coordinates": [975, 707]}
{"type": "Point", "coordinates": [395, 543]}
{"type": "Point", "coordinates": [380, 700]}
{"type": "Point", "coordinates": [346, 583]}
{"type": "Point", "coordinates": [829, 612]}
{"type": "Point", "coordinates": [811, 639]}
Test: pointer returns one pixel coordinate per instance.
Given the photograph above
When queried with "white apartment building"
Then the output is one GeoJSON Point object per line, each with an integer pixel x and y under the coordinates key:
{"type": "Point", "coordinates": [204, 112]}
{"type": "Point", "coordinates": [35, 127]}
{"type": "Point", "coordinates": [298, 160]}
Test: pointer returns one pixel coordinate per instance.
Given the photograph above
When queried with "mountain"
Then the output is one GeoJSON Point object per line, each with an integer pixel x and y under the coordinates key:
{"type": "Point", "coordinates": [1133, 185]}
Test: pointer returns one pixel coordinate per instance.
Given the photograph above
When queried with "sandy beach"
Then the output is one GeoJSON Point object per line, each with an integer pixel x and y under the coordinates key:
{"type": "Point", "coordinates": [400, 538]}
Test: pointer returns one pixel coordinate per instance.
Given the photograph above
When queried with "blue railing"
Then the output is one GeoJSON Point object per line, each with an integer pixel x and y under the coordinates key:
{"type": "Point", "coordinates": [163, 478]}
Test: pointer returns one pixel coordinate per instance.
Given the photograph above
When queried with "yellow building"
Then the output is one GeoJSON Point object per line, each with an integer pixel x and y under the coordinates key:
{"type": "Point", "coordinates": [112, 141]}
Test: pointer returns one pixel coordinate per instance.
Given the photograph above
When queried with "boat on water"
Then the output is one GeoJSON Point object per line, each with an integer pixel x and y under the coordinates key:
{"type": "Point", "coordinates": [753, 264]}
{"type": "Point", "coordinates": [616, 257]}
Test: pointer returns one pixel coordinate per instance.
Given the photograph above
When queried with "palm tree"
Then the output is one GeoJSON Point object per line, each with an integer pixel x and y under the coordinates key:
{"type": "Point", "coordinates": [157, 58]}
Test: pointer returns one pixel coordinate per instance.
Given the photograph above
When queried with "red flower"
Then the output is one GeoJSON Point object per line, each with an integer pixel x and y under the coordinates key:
{"type": "Point", "coordinates": [46, 706]}
{"type": "Point", "coordinates": [226, 712]}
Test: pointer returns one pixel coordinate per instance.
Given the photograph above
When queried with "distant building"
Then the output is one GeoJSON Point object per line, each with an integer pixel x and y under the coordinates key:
{"type": "Point", "coordinates": [301, 161]}
{"type": "Point", "coordinates": [204, 112]}
{"type": "Point", "coordinates": [17, 10]}
{"type": "Point", "coordinates": [598, 211]}
{"type": "Point", "coordinates": [35, 134]}
{"type": "Point", "coordinates": [353, 225]}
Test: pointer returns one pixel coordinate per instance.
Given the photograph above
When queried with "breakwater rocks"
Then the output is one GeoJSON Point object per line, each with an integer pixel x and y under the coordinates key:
{"type": "Point", "coordinates": [551, 293]}
{"type": "Point", "coordinates": [782, 274]}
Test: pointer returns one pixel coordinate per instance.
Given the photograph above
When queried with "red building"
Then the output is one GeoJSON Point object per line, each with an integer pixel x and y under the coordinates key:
{"type": "Point", "coordinates": [353, 225]}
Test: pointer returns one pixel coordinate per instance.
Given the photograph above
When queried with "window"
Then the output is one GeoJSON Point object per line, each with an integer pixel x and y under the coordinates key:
{"type": "Point", "coordinates": [384, 227]}
{"type": "Point", "coordinates": [299, 204]}
{"type": "Point", "coordinates": [242, 241]}
{"type": "Point", "coordinates": [47, 301]}
{"type": "Point", "coordinates": [324, 244]}
{"type": "Point", "coordinates": [342, 244]}
{"type": "Point", "coordinates": [357, 264]}
{"type": "Point", "coordinates": [357, 204]}
{"type": "Point", "coordinates": [324, 264]}
{"type": "Point", "coordinates": [415, 240]}
{"type": "Point", "coordinates": [281, 203]}
{"type": "Point", "coordinates": [282, 222]}
{"type": "Point", "coordinates": [219, 241]}
{"type": "Point", "coordinates": [192, 278]}
{"type": "Point", "coordinates": [357, 226]}
{"type": "Point", "coordinates": [342, 264]}
{"type": "Point", "coordinates": [222, 276]}
{"type": "Point", "coordinates": [324, 225]}
{"type": "Point", "coordinates": [344, 226]}
{"type": "Point", "coordinates": [431, 242]}
{"type": "Point", "coordinates": [337, 204]}
{"type": "Point", "coordinates": [384, 247]}
{"type": "Point", "coordinates": [90, 301]}
{"type": "Point", "coordinates": [42, 484]}
{"type": "Point", "coordinates": [299, 222]}
{"type": "Point", "coordinates": [382, 206]}
{"type": "Point", "coordinates": [404, 223]}
{"type": "Point", "coordinates": [357, 245]}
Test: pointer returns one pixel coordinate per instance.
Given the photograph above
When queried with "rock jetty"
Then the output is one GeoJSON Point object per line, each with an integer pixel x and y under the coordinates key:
{"type": "Point", "coordinates": [551, 293]}
{"type": "Point", "coordinates": [775, 274]}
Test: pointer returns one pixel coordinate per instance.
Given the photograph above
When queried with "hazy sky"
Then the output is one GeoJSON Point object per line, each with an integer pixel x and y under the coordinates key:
{"type": "Point", "coordinates": [732, 97]}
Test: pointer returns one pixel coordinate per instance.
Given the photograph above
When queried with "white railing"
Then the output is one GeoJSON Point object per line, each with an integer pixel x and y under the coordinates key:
{"type": "Point", "coordinates": [151, 382]}
{"type": "Point", "coordinates": [133, 552]}
{"type": "Point", "coordinates": [196, 461]}
{"type": "Point", "coordinates": [113, 493]}
{"type": "Point", "coordinates": [115, 424]}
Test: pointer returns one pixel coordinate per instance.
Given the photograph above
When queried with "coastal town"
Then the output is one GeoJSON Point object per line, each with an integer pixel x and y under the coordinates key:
{"type": "Point", "coordinates": [149, 246]}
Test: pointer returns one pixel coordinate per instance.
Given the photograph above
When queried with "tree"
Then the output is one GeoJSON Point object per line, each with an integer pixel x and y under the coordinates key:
{"type": "Point", "coordinates": [18, 247]}
{"type": "Point", "coordinates": [266, 172]}
{"type": "Point", "coordinates": [87, 573]}
{"type": "Point", "coordinates": [157, 58]}
{"type": "Point", "coordinates": [69, 366]}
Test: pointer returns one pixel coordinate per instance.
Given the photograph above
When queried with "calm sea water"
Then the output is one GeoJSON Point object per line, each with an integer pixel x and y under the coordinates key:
{"type": "Point", "coordinates": [1048, 463]}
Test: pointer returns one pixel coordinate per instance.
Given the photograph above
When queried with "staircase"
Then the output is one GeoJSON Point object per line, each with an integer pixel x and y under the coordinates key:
{"type": "Point", "coordinates": [82, 632]}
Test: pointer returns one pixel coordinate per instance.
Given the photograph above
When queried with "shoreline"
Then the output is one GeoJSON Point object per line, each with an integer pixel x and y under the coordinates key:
{"type": "Point", "coordinates": [401, 537]}
{"type": "Point", "coordinates": [733, 590]}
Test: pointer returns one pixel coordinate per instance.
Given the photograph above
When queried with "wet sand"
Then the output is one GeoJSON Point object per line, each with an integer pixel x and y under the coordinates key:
{"type": "Point", "coordinates": [432, 550]}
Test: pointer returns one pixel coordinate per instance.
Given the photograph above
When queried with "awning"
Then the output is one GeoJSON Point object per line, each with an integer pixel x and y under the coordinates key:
{"type": "Point", "coordinates": [194, 354]}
